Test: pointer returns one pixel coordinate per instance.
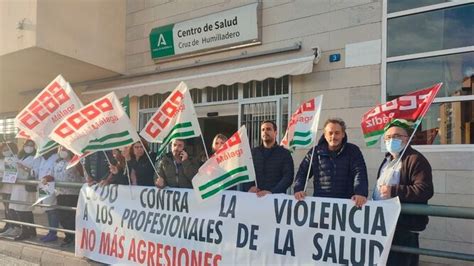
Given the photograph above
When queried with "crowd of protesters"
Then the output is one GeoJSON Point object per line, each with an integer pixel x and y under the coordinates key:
{"type": "Point", "coordinates": [337, 167]}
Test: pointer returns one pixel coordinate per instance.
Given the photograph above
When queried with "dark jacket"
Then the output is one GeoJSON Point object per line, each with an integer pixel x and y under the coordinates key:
{"type": "Point", "coordinates": [416, 186]}
{"type": "Point", "coordinates": [336, 175]}
{"type": "Point", "coordinates": [143, 170]}
{"type": "Point", "coordinates": [179, 176]}
{"type": "Point", "coordinates": [274, 169]}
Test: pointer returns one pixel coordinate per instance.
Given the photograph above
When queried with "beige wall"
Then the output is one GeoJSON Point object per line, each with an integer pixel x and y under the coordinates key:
{"type": "Point", "coordinates": [348, 92]}
{"type": "Point", "coordinates": [89, 31]}
{"type": "Point", "coordinates": [12, 38]}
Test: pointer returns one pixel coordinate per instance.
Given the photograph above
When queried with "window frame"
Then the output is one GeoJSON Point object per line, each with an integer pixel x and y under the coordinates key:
{"type": "Point", "coordinates": [383, 73]}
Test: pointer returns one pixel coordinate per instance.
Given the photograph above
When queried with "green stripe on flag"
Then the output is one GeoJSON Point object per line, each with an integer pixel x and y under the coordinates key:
{"type": "Point", "coordinates": [49, 144]}
{"type": "Point", "coordinates": [107, 146]}
{"type": "Point", "coordinates": [170, 135]}
{"type": "Point", "coordinates": [370, 143]}
{"type": "Point", "coordinates": [302, 134]}
{"type": "Point", "coordinates": [46, 148]}
{"type": "Point", "coordinates": [175, 136]}
{"type": "Point", "coordinates": [222, 177]}
{"type": "Point", "coordinates": [111, 136]}
{"type": "Point", "coordinates": [373, 133]}
{"type": "Point", "coordinates": [224, 186]}
{"type": "Point", "coordinates": [301, 142]}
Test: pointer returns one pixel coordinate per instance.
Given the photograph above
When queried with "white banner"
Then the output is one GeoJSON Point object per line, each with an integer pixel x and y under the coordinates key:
{"type": "Point", "coordinates": [145, 225]}
{"type": "Point", "coordinates": [10, 172]}
{"type": "Point", "coordinates": [47, 110]}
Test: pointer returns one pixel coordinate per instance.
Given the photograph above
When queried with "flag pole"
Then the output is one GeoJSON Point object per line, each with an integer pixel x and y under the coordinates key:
{"type": "Point", "coordinates": [205, 149]}
{"type": "Point", "coordinates": [106, 157]}
{"type": "Point", "coordinates": [149, 158]}
{"type": "Point", "coordinates": [309, 169]}
{"type": "Point", "coordinates": [129, 179]}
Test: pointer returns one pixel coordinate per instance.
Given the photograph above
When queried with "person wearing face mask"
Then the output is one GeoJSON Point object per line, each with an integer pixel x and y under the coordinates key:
{"type": "Point", "coordinates": [67, 196]}
{"type": "Point", "coordinates": [338, 167]}
{"type": "Point", "coordinates": [9, 151]}
{"type": "Point", "coordinates": [409, 178]}
{"type": "Point", "coordinates": [27, 166]}
{"type": "Point", "coordinates": [141, 169]}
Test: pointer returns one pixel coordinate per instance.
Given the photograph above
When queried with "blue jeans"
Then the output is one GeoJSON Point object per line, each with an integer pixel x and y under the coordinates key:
{"type": "Point", "coordinates": [53, 221]}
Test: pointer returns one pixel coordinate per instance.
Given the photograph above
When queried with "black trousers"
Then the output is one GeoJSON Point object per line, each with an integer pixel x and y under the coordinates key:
{"type": "Point", "coordinates": [67, 218]}
{"type": "Point", "coordinates": [408, 239]}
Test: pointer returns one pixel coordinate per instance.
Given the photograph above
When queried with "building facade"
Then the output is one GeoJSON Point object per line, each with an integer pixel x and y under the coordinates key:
{"type": "Point", "coordinates": [355, 53]}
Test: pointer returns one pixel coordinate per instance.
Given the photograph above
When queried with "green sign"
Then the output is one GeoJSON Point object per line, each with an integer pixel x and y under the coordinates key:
{"type": "Point", "coordinates": [161, 41]}
{"type": "Point", "coordinates": [230, 28]}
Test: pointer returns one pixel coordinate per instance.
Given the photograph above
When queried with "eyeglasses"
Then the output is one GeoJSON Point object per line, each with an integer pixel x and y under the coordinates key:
{"type": "Point", "coordinates": [394, 136]}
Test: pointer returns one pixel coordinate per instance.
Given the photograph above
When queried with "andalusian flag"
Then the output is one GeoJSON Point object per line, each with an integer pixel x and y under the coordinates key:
{"type": "Point", "coordinates": [99, 126]}
{"type": "Point", "coordinates": [412, 107]}
{"type": "Point", "coordinates": [230, 165]}
{"type": "Point", "coordinates": [175, 119]}
{"type": "Point", "coordinates": [46, 111]}
{"type": "Point", "coordinates": [303, 125]}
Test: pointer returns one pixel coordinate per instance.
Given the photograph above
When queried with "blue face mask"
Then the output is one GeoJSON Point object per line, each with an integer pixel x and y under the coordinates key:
{"type": "Point", "coordinates": [394, 145]}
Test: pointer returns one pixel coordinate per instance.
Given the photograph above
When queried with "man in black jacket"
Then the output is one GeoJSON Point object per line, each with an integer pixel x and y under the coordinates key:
{"type": "Point", "coordinates": [338, 167]}
{"type": "Point", "coordinates": [409, 179]}
{"type": "Point", "coordinates": [273, 164]}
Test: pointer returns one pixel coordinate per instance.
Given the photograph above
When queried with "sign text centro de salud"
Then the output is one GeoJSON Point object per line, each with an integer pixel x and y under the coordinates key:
{"type": "Point", "coordinates": [232, 27]}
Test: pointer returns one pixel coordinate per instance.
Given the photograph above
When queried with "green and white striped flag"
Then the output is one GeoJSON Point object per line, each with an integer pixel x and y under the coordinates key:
{"type": "Point", "coordinates": [175, 119]}
{"type": "Point", "coordinates": [303, 125]}
{"type": "Point", "coordinates": [46, 111]}
{"type": "Point", "coordinates": [230, 165]}
{"type": "Point", "coordinates": [99, 126]}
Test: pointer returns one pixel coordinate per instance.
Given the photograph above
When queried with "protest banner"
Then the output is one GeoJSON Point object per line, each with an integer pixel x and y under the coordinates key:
{"type": "Point", "coordinates": [10, 172]}
{"type": "Point", "coordinates": [22, 135]}
{"type": "Point", "coordinates": [232, 164]}
{"type": "Point", "coordinates": [175, 119]}
{"type": "Point", "coordinates": [47, 110]}
{"type": "Point", "coordinates": [412, 106]}
{"type": "Point", "coordinates": [98, 126]}
{"type": "Point", "coordinates": [169, 227]}
{"type": "Point", "coordinates": [303, 125]}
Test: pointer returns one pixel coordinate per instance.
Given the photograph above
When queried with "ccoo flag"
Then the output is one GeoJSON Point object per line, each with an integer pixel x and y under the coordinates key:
{"type": "Point", "coordinates": [175, 119]}
{"type": "Point", "coordinates": [46, 111]}
{"type": "Point", "coordinates": [412, 106]}
{"type": "Point", "coordinates": [98, 126]}
{"type": "Point", "coordinates": [230, 165]}
{"type": "Point", "coordinates": [303, 125]}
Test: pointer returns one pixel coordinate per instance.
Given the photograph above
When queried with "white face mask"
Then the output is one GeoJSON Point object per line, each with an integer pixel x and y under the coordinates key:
{"type": "Point", "coordinates": [63, 154]}
{"type": "Point", "coordinates": [28, 149]}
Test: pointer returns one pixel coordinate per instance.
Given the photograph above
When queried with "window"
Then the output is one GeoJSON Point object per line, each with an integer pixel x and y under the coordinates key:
{"type": "Point", "coordinates": [429, 45]}
{"type": "Point", "coordinates": [8, 129]}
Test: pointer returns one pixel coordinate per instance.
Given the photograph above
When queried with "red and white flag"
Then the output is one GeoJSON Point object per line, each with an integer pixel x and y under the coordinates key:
{"type": "Point", "coordinates": [99, 126]}
{"type": "Point", "coordinates": [412, 106]}
{"type": "Point", "coordinates": [232, 164]}
{"type": "Point", "coordinates": [303, 125]}
{"type": "Point", "coordinates": [46, 111]}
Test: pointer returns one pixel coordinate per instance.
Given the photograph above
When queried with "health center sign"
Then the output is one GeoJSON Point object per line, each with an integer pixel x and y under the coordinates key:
{"type": "Point", "coordinates": [230, 28]}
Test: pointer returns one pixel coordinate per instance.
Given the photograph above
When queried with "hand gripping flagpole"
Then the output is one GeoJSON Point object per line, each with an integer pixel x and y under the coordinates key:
{"type": "Point", "coordinates": [309, 169]}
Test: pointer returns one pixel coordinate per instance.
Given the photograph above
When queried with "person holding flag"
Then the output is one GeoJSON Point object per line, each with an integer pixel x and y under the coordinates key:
{"type": "Point", "coordinates": [404, 173]}
{"type": "Point", "coordinates": [274, 168]}
{"type": "Point", "coordinates": [338, 167]}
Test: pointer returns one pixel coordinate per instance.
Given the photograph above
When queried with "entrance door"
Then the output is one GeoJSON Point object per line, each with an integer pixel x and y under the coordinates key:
{"type": "Point", "coordinates": [254, 112]}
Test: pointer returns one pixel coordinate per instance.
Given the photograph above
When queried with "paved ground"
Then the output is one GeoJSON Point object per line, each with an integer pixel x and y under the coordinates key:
{"type": "Point", "coordinates": [9, 261]}
{"type": "Point", "coordinates": [35, 252]}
